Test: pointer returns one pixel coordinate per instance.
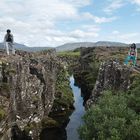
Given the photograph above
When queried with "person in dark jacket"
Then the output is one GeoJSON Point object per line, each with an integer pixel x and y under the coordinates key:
{"type": "Point", "coordinates": [9, 42]}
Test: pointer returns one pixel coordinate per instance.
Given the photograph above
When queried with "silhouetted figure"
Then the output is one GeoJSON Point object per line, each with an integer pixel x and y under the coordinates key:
{"type": "Point", "coordinates": [9, 40]}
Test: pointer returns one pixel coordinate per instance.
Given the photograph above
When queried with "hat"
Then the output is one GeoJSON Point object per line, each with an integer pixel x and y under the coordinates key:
{"type": "Point", "coordinates": [133, 46]}
{"type": "Point", "coordinates": [8, 30]}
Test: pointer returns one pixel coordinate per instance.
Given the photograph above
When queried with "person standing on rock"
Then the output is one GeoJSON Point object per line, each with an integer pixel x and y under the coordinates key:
{"type": "Point", "coordinates": [9, 40]}
{"type": "Point", "coordinates": [132, 55]}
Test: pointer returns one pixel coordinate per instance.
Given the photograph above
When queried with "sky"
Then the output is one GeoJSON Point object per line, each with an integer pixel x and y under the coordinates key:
{"type": "Point", "coordinates": [52, 23]}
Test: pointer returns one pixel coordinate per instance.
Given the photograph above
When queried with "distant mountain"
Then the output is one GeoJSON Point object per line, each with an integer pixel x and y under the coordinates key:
{"type": "Point", "coordinates": [110, 44]}
{"type": "Point", "coordinates": [72, 46]}
{"type": "Point", "coordinates": [138, 45]}
{"type": "Point", "coordinates": [36, 49]}
{"type": "Point", "coordinates": [17, 46]}
{"type": "Point", "coordinates": [26, 48]}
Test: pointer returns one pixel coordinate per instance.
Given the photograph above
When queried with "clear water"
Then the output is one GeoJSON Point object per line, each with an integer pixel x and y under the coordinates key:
{"type": "Point", "coordinates": [75, 118]}
{"type": "Point", "coordinates": [69, 132]}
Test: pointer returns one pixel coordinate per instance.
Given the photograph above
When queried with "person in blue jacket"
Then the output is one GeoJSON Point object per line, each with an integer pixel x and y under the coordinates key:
{"type": "Point", "coordinates": [132, 55]}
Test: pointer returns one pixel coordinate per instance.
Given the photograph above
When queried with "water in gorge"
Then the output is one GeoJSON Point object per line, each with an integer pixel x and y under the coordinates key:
{"type": "Point", "coordinates": [69, 131]}
{"type": "Point", "coordinates": [75, 118]}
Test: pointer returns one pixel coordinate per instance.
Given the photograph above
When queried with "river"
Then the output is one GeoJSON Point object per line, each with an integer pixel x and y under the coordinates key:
{"type": "Point", "coordinates": [75, 120]}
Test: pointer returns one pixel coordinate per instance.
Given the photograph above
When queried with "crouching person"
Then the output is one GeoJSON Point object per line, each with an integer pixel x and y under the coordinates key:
{"type": "Point", "coordinates": [132, 55]}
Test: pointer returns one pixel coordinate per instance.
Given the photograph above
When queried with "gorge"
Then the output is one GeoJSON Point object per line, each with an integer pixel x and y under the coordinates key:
{"type": "Point", "coordinates": [38, 101]}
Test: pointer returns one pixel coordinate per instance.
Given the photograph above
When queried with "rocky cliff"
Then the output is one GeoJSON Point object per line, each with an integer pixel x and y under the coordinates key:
{"type": "Point", "coordinates": [27, 92]}
{"type": "Point", "coordinates": [85, 72]}
{"type": "Point", "coordinates": [111, 76]}
{"type": "Point", "coordinates": [101, 69]}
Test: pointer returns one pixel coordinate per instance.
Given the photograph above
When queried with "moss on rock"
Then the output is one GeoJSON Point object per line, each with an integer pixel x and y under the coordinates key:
{"type": "Point", "coordinates": [5, 87]}
{"type": "Point", "coordinates": [2, 113]}
{"type": "Point", "coordinates": [48, 122]}
{"type": "Point", "coordinates": [64, 95]}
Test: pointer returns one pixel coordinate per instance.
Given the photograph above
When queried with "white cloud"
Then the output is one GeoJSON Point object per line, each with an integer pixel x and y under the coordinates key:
{"type": "Point", "coordinates": [91, 28]}
{"type": "Point", "coordinates": [137, 5]}
{"type": "Point", "coordinates": [83, 34]}
{"type": "Point", "coordinates": [115, 32]}
{"type": "Point", "coordinates": [130, 36]}
{"type": "Point", "coordinates": [136, 2]}
{"type": "Point", "coordinates": [36, 22]}
{"type": "Point", "coordinates": [114, 5]}
{"type": "Point", "coordinates": [80, 3]}
{"type": "Point", "coordinates": [97, 19]}
{"type": "Point", "coordinates": [124, 37]}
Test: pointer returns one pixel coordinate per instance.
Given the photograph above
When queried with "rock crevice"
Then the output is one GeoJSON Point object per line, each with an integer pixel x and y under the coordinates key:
{"type": "Point", "coordinates": [28, 84]}
{"type": "Point", "coordinates": [111, 76]}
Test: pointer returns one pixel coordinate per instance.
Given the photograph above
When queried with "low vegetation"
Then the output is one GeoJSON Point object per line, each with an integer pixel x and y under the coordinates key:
{"type": "Point", "coordinates": [64, 92]}
{"type": "Point", "coordinates": [2, 113]}
{"type": "Point", "coordinates": [116, 116]}
{"type": "Point", "coordinates": [64, 97]}
{"type": "Point", "coordinates": [48, 122]}
{"type": "Point", "coordinates": [69, 53]}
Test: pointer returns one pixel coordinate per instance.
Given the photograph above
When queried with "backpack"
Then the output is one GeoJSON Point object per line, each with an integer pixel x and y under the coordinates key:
{"type": "Point", "coordinates": [9, 38]}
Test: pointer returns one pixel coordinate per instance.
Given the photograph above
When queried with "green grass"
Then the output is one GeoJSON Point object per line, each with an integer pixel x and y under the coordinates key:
{"type": "Point", "coordinates": [66, 99]}
{"type": "Point", "coordinates": [64, 96]}
{"type": "Point", "coordinates": [69, 53]}
{"type": "Point", "coordinates": [2, 113]}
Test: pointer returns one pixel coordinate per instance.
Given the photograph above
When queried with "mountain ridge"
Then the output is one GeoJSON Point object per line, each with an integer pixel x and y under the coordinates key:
{"type": "Point", "coordinates": [71, 46]}
{"type": "Point", "coordinates": [26, 48]}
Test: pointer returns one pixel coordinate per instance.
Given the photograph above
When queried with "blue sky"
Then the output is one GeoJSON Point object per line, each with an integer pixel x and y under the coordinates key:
{"type": "Point", "coordinates": [55, 22]}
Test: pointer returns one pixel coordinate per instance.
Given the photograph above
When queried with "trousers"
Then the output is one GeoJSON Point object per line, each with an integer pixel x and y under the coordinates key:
{"type": "Point", "coordinates": [9, 47]}
{"type": "Point", "coordinates": [129, 58]}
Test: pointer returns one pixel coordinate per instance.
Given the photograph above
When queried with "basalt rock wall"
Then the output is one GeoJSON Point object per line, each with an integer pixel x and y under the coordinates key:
{"type": "Point", "coordinates": [111, 76]}
{"type": "Point", "coordinates": [27, 91]}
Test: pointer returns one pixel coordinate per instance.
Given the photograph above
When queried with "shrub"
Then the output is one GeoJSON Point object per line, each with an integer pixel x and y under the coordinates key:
{"type": "Point", "coordinates": [111, 119]}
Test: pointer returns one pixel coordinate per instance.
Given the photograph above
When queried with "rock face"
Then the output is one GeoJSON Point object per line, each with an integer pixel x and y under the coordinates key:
{"type": "Point", "coordinates": [112, 75]}
{"type": "Point", "coordinates": [99, 70]}
{"type": "Point", "coordinates": [85, 72]}
{"type": "Point", "coordinates": [27, 90]}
